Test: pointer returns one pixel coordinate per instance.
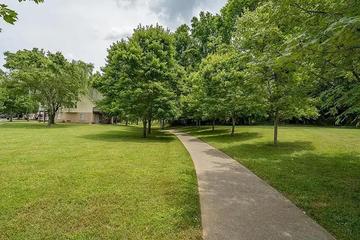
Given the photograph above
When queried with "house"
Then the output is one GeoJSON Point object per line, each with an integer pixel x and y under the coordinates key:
{"type": "Point", "coordinates": [85, 110]}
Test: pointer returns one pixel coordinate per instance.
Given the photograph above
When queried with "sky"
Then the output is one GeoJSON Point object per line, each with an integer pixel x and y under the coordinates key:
{"type": "Point", "coordinates": [84, 29]}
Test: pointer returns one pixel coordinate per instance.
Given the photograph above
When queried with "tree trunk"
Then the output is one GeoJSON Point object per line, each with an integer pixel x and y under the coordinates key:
{"type": "Point", "coordinates": [144, 128]}
{"type": "Point", "coordinates": [233, 126]}
{"type": "Point", "coordinates": [213, 125]}
{"type": "Point", "coordinates": [162, 123]}
{"type": "Point", "coordinates": [149, 128]}
{"type": "Point", "coordinates": [199, 123]}
{"type": "Point", "coordinates": [11, 117]}
{"type": "Point", "coordinates": [276, 126]}
{"type": "Point", "coordinates": [51, 120]}
{"type": "Point", "coordinates": [126, 122]}
{"type": "Point", "coordinates": [44, 117]}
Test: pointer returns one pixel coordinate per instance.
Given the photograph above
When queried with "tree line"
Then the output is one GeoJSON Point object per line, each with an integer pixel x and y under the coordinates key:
{"type": "Point", "coordinates": [257, 60]}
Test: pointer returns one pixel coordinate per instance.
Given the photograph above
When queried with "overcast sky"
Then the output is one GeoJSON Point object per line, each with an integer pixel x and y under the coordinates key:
{"type": "Point", "coordinates": [84, 29]}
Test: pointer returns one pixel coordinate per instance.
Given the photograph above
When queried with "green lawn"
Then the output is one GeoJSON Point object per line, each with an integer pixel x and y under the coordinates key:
{"type": "Point", "coordinates": [317, 168]}
{"type": "Point", "coordinates": [95, 182]}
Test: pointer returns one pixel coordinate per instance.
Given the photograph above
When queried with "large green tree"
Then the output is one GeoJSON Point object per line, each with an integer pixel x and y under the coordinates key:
{"type": "Point", "coordinates": [285, 85]}
{"type": "Point", "coordinates": [14, 99]}
{"type": "Point", "coordinates": [231, 12]}
{"type": "Point", "coordinates": [53, 81]}
{"type": "Point", "coordinates": [192, 46]}
{"type": "Point", "coordinates": [325, 35]}
{"type": "Point", "coordinates": [228, 92]}
{"type": "Point", "coordinates": [142, 76]}
{"type": "Point", "coordinates": [187, 51]}
{"type": "Point", "coordinates": [191, 98]}
{"type": "Point", "coordinates": [205, 30]}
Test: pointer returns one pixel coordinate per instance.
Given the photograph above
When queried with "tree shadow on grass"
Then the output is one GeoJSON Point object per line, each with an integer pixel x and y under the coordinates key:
{"type": "Point", "coordinates": [326, 186]}
{"type": "Point", "coordinates": [237, 137]}
{"type": "Point", "coordinates": [263, 151]}
{"type": "Point", "coordinates": [221, 135]}
{"type": "Point", "coordinates": [130, 135]}
{"type": "Point", "coordinates": [204, 131]}
{"type": "Point", "coordinates": [33, 125]}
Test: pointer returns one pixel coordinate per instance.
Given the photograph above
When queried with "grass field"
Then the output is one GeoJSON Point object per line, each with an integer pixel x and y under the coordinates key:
{"type": "Point", "coordinates": [317, 168]}
{"type": "Point", "coordinates": [95, 182]}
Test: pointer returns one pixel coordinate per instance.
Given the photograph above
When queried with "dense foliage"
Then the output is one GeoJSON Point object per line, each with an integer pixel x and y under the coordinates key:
{"type": "Point", "coordinates": [49, 78]}
{"type": "Point", "coordinates": [305, 56]}
{"type": "Point", "coordinates": [141, 77]}
{"type": "Point", "coordinates": [15, 100]}
{"type": "Point", "coordinates": [257, 60]}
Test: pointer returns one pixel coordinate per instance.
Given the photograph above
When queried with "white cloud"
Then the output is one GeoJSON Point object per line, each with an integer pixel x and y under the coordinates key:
{"type": "Point", "coordinates": [116, 34]}
{"type": "Point", "coordinates": [85, 28]}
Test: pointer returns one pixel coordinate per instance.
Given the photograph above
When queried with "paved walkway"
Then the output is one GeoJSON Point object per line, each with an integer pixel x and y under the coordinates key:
{"type": "Point", "coordinates": [237, 205]}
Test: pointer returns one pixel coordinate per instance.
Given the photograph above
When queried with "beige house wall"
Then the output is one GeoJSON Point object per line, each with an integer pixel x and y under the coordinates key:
{"type": "Point", "coordinates": [85, 105]}
{"type": "Point", "coordinates": [75, 117]}
{"type": "Point", "coordinates": [83, 112]}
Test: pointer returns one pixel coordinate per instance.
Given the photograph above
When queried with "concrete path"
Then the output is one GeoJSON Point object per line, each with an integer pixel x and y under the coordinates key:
{"type": "Point", "coordinates": [237, 205]}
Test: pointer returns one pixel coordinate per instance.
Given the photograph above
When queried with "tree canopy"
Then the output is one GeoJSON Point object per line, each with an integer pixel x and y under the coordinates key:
{"type": "Point", "coordinates": [52, 80]}
{"type": "Point", "coordinates": [15, 99]}
{"type": "Point", "coordinates": [141, 75]}
{"type": "Point", "coordinates": [227, 90]}
{"type": "Point", "coordinates": [231, 12]}
{"type": "Point", "coordinates": [286, 87]}
{"type": "Point", "coordinates": [271, 60]}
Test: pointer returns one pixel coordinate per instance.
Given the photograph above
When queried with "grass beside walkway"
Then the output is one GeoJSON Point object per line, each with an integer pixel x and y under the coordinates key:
{"type": "Point", "coordinates": [317, 168]}
{"type": "Point", "coordinates": [95, 182]}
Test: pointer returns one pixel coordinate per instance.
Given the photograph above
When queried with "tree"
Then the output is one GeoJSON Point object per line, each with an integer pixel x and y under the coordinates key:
{"type": "Point", "coordinates": [191, 98]}
{"type": "Point", "coordinates": [9, 15]}
{"type": "Point", "coordinates": [205, 30]}
{"type": "Point", "coordinates": [325, 35]}
{"type": "Point", "coordinates": [228, 92]}
{"type": "Point", "coordinates": [286, 88]}
{"type": "Point", "coordinates": [340, 99]}
{"type": "Point", "coordinates": [187, 51]}
{"type": "Point", "coordinates": [15, 100]}
{"type": "Point", "coordinates": [53, 81]}
{"type": "Point", "coordinates": [141, 75]}
{"type": "Point", "coordinates": [231, 12]}
{"type": "Point", "coordinates": [107, 105]}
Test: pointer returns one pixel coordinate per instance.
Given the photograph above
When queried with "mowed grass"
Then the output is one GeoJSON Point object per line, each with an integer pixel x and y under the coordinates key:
{"type": "Point", "coordinates": [95, 182]}
{"type": "Point", "coordinates": [317, 168]}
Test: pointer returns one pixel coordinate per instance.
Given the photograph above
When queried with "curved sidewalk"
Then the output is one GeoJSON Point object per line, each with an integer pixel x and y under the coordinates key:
{"type": "Point", "coordinates": [237, 205]}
